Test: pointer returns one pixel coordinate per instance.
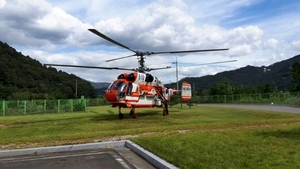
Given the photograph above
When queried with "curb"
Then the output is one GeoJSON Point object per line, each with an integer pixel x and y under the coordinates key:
{"type": "Point", "coordinates": [119, 145]}
{"type": "Point", "coordinates": [150, 157]}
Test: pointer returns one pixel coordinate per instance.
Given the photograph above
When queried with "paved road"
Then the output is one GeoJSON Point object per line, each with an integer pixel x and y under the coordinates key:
{"type": "Point", "coordinates": [275, 108]}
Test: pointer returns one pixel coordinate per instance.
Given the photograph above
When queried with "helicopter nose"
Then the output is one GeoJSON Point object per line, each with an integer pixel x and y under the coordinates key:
{"type": "Point", "coordinates": [111, 96]}
{"type": "Point", "coordinates": [114, 95]}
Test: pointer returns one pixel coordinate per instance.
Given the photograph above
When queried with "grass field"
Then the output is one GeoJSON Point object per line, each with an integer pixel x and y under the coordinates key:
{"type": "Point", "coordinates": [200, 137]}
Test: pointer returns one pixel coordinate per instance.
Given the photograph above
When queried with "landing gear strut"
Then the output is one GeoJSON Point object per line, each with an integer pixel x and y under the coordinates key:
{"type": "Point", "coordinates": [121, 115]}
{"type": "Point", "coordinates": [165, 109]}
{"type": "Point", "coordinates": [132, 113]}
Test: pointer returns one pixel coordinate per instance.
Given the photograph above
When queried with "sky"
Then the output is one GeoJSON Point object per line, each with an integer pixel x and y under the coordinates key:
{"type": "Point", "coordinates": [257, 33]}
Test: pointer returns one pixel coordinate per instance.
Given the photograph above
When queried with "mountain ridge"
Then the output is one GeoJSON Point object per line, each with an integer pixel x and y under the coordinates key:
{"type": "Point", "coordinates": [276, 74]}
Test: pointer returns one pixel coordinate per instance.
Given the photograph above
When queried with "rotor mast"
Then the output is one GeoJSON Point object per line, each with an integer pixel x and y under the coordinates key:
{"type": "Point", "coordinates": [142, 67]}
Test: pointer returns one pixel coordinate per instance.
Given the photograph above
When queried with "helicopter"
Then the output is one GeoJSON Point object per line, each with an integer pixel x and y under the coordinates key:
{"type": "Point", "coordinates": [139, 89]}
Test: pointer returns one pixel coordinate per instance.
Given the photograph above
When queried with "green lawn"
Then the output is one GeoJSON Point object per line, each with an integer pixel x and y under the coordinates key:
{"type": "Point", "coordinates": [200, 137]}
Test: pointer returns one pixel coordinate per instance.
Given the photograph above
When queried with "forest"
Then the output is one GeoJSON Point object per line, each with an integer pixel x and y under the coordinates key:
{"type": "Point", "coordinates": [22, 77]}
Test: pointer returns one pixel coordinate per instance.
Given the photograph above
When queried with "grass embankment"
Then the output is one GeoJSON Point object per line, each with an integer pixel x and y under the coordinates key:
{"type": "Point", "coordinates": [201, 137]}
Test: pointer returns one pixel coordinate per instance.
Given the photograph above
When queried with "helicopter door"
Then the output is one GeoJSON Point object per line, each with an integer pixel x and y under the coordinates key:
{"type": "Point", "coordinates": [129, 90]}
{"type": "Point", "coordinates": [120, 87]}
{"type": "Point", "coordinates": [186, 91]}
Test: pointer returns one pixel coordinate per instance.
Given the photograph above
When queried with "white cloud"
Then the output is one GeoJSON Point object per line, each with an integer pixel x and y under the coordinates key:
{"type": "Point", "coordinates": [295, 45]}
{"type": "Point", "coordinates": [56, 32]}
{"type": "Point", "coordinates": [2, 3]}
{"type": "Point", "coordinates": [271, 44]}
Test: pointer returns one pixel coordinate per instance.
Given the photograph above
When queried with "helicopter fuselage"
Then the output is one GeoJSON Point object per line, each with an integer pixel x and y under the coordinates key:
{"type": "Point", "coordinates": [137, 90]}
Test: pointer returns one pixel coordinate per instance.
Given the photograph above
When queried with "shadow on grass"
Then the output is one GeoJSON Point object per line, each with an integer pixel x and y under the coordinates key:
{"type": "Point", "coordinates": [142, 113]}
{"type": "Point", "coordinates": [293, 134]}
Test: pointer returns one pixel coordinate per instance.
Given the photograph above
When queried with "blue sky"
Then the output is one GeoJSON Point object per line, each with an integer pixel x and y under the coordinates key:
{"type": "Point", "coordinates": [257, 33]}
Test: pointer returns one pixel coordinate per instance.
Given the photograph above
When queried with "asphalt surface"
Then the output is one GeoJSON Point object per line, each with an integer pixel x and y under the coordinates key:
{"type": "Point", "coordinates": [108, 159]}
{"type": "Point", "coordinates": [106, 155]}
{"type": "Point", "coordinates": [269, 107]}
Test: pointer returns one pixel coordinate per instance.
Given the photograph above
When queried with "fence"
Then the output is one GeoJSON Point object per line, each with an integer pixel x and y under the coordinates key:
{"type": "Point", "coordinates": [258, 98]}
{"type": "Point", "coordinates": [41, 106]}
{"type": "Point", "coordinates": [72, 105]}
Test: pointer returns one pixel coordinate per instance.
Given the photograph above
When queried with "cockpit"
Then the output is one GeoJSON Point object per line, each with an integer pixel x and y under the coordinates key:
{"type": "Point", "coordinates": [120, 88]}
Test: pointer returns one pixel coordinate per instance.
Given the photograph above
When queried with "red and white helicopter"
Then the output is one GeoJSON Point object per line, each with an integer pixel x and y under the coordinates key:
{"type": "Point", "coordinates": [139, 89]}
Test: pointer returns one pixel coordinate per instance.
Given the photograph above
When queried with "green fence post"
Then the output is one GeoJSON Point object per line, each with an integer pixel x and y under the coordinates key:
{"type": "Point", "coordinates": [45, 106]}
{"type": "Point", "coordinates": [25, 107]}
{"type": "Point", "coordinates": [71, 103]}
{"type": "Point", "coordinates": [84, 102]}
{"type": "Point", "coordinates": [58, 105]}
{"type": "Point", "coordinates": [3, 107]}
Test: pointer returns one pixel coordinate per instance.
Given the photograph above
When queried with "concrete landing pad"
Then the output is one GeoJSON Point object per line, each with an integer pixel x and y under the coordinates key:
{"type": "Point", "coordinates": [108, 155]}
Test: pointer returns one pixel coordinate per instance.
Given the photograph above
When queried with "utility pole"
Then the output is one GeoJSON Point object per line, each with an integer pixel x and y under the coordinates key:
{"type": "Point", "coordinates": [269, 70]}
{"type": "Point", "coordinates": [176, 73]}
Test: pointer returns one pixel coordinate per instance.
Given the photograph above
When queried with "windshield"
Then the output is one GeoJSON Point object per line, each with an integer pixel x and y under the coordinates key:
{"type": "Point", "coordinates": [109, 87]}
{"type": "Point", "coordinates": [121, 86]}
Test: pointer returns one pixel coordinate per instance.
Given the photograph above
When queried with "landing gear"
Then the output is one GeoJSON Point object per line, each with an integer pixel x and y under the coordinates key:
{"type": "Point", "coordinates": [121, 115]}
{"type": "Point", "coordinates": [165, 109]}
{"type": "Point", "coordinates": [132, 113]}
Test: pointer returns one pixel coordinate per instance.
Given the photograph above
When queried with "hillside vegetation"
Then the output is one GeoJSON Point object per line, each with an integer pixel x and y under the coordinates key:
{"type": "Point", "coordinates": [22, 77]}
{"type": "Point", "coordinates": [281, 76]}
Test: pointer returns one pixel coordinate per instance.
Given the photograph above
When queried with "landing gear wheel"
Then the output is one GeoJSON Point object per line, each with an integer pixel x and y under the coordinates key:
{"type": "Point", "coordinates": [121, 115]}
{"type": "Point", "coordinates": [133, 114]}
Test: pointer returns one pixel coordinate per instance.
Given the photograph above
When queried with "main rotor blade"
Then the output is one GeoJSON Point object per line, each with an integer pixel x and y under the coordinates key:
{"type": "Point", "coordinates": [214, 63]}
{"type": "Point", "coordinates": [188, 51]}
{"type": "Point", "coordinates": [150, 69]}
{"type": "Point", "coordinates": [121, 58]}
{"type": "Point", "coordinates": [91, 67]}
{"type": "Point", "coordinates": [109, 39]}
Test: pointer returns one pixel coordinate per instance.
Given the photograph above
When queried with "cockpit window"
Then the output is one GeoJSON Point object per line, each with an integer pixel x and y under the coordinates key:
{"type": "Point", "coordinates": [129, 88]}
{"type": "Point", "coordinates": [109, 87]}
{"type": "Point", "coordinates": [121, 86]}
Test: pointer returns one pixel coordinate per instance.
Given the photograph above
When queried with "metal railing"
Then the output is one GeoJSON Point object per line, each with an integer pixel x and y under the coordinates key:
{"type": "Point", "coordinates": [18, 107]}
{"type": "Point", "coordinates": [258, 98]}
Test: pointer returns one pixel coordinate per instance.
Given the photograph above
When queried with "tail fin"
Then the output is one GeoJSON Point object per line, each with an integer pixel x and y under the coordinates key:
{"type": "Point", "coordinates": [186, 91]}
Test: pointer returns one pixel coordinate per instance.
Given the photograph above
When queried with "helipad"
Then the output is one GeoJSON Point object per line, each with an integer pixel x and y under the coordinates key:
{"type": "Point", "coordinates": [109, 155]}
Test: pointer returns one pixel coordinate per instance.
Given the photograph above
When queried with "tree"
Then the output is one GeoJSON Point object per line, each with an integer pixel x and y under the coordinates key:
{"type": "Point", "coordinates": [222, 88]}
{"type": "Point", "coordinates": [295, 73]}
{"type": "Point", "coordinates": [175, 99]}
